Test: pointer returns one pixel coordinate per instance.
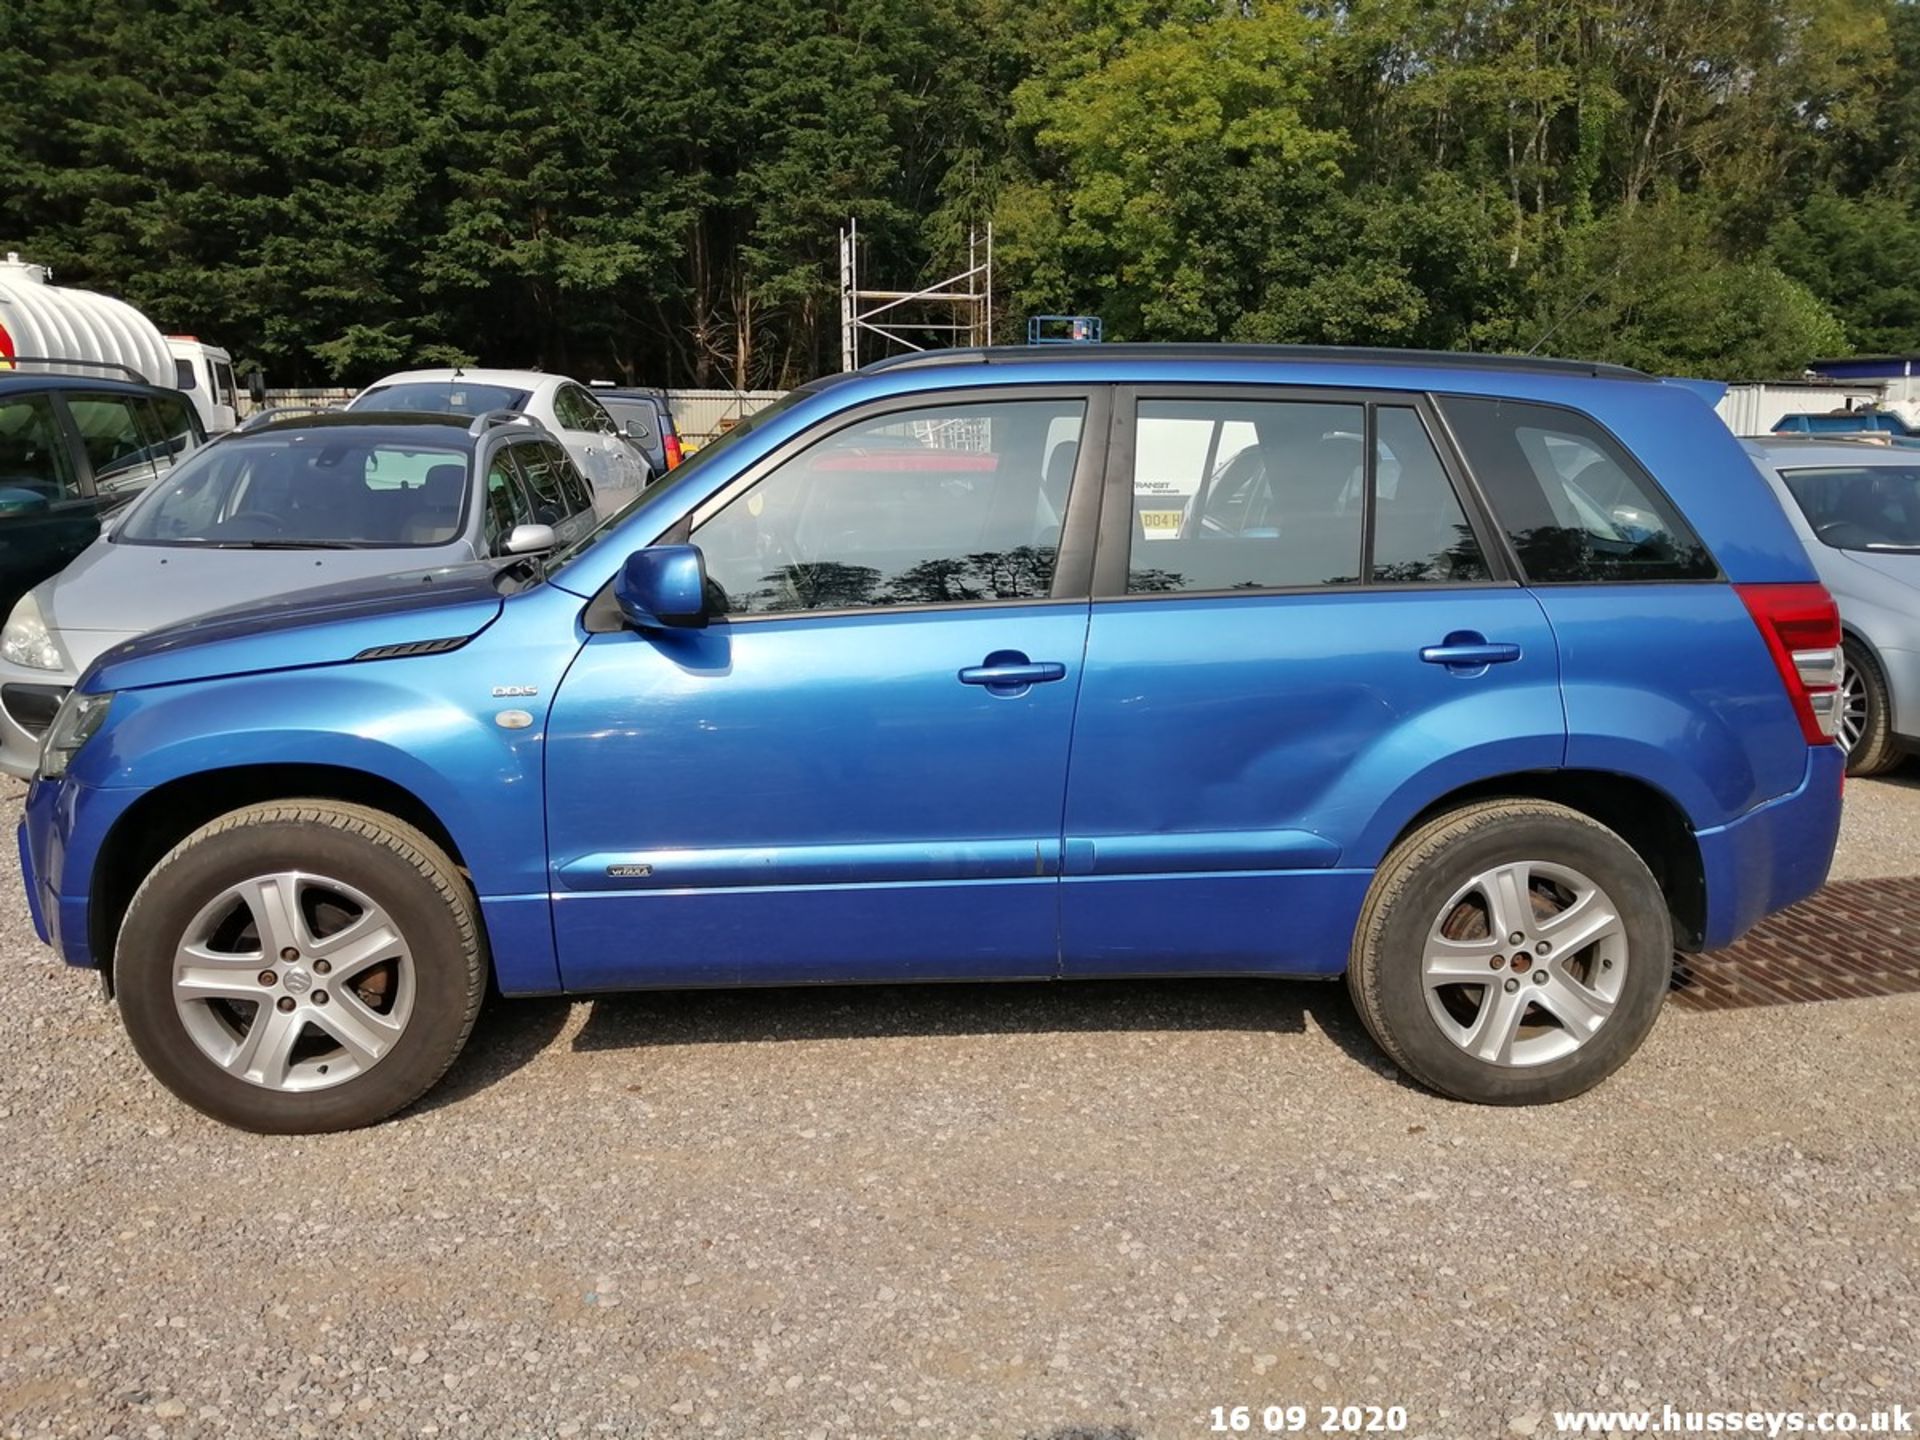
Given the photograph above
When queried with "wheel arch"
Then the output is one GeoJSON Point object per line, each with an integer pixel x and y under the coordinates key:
{"type": "Point", "coordinates": [1643, 815]}
{"type": "Point", "coordinates": [167, 814]}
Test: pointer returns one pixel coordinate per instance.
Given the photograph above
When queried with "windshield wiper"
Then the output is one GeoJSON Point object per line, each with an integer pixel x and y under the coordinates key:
{"type": "Point", "coordinates": [283, 544]}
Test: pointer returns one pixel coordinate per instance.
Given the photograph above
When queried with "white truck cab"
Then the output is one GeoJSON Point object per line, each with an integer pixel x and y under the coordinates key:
{"type": "Point", "coordinates": [205, 373]}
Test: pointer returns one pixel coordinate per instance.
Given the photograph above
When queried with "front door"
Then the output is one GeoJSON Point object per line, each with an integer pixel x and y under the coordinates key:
{"type": "Point", "coordinates": [49, 513]}
{"type": "Point", "coordinates": [856, 770]}
{"type": "Point", "coordinates": [1275, 673]}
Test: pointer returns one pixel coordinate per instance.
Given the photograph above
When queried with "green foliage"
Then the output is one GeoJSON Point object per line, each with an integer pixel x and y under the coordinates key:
{"type": "Point", "coordinates": [651, 190]}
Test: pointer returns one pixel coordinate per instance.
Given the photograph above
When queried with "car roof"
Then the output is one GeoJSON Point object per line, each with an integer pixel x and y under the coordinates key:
{"type": "Point", "coordinates": [1291, 354]}
{"type": "Point", "coordinates": [457, 425]}
{"type": "Point", "coordinates": [28, 380]}
{"type": "Point", "coordinates": [447, 374]}
{"type": "Point", "coordinates": [1829, 450]}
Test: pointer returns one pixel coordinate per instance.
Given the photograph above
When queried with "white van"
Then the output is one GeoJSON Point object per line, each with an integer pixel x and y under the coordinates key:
{"type": "Point", "coordinates": [54, 329]}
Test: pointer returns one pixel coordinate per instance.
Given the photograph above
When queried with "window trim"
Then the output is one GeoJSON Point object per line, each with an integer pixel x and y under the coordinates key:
{"type": "Point", "coordinates": [1636, 470]}
{"type": "Point", "coordinates": [1073, 560]}
{"type": "Point", "coordinates": [1116, 538]}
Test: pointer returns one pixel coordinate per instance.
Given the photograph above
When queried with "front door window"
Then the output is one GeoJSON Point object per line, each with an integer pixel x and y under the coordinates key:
{"type": "Point", "coordinates": [941, 506]}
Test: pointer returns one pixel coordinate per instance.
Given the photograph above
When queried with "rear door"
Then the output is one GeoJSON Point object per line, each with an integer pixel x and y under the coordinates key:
{"type": "Point", "coordinates": [1300, 634]}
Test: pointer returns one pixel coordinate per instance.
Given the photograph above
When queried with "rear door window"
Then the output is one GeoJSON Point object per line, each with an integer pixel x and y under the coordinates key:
{"type": "Point", "coordinates": [552, 480]}
{"type": "Point", "coordinates": [117, 444]}
{"type": "Point", "coordinates": [173, 429]}
{"type": "Point", "coordinates": [1246, 495]}
{"type": "Point", "coordinates": [1250, 494]}
{"type": "Point", "coordinates": [575, 409]}
{"type": "Point", "coordinates": [507, 503]}
{"type": "Point", "coordinates": [1420, 530]}
{"type": "Point", "coordinates": [1575, 504]}
{"type": "Point", "coordinates": [574, 489]}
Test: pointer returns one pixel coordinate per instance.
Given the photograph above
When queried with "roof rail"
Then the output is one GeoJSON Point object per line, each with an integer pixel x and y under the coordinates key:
{"type": "Point", "coordinates": [1313, 354]}
{"type": "Point", "coordinates": [490, 418]}
{"type": "Point", "coordinates": [283, 412]}
{"type": "Point", "coordinates": [14, 361]}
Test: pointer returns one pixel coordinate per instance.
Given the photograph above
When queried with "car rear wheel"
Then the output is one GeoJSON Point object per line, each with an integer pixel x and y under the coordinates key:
{"type": "Point", "coordinates": [301, 966]}
{"type": "Point", "coordinates": [1512, 952]}
{"type": "Point", "coordinates": [1866, 719]}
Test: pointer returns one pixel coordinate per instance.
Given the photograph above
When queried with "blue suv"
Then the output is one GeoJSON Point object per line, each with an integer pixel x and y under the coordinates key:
{"type": "Point", "coordinates": [1486, 682]}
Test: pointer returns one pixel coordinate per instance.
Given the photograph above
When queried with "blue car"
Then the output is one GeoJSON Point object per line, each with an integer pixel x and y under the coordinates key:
{"type": "Point", "coordinates": [1484, 682]}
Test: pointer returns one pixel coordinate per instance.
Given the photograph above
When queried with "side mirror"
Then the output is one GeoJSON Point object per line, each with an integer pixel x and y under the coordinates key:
{"type": "Point", "coordinates": [637, 429]}
{"type": "Point", "coordinates": [663, 587]}
{"type": "Point", "coordinates": [257, 386]}
{"type": "Point", "coordinates": [527, 540]}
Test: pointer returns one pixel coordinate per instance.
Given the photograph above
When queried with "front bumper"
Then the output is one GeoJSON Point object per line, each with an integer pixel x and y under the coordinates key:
{"type": "Point", "coordinates": [60, 837]}
{"type": "Point", "coordinates": [1774, 855]}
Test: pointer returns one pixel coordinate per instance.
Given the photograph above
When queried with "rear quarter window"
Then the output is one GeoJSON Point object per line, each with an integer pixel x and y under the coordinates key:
{"type": "Point", "coordinates": [1574, 503]}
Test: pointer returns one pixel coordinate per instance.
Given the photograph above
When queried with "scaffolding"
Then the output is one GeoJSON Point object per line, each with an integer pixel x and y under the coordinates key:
{"type": "Point", "coordinates": [960, 305]}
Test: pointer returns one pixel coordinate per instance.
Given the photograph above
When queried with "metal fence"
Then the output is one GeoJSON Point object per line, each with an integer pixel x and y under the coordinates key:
{"type": "Point", "coordinates": [699, 415]}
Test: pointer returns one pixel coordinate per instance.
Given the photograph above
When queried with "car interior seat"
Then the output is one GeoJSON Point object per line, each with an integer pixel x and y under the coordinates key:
{"type": "Point", "coordinates": [436, 510]}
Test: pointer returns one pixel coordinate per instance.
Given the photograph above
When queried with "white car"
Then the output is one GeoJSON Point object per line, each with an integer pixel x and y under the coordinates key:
{"type": "Point", "coordinates": [612, 463]}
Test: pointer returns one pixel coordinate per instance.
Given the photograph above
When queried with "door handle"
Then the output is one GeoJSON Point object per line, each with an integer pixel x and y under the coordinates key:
{"type": "Point", "coordinates": [1037, 672]}
{"type": "Point", "coordinates": [1008, 672]}
{"type": "Point", "coordinates": [1470, 650]}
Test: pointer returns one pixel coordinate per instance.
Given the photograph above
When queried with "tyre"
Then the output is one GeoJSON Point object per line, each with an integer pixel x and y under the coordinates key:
{"type": "Point", "coordinates": [1866, 716]}
{"type": "Point", "coordinates": [301, 966]}
{"type": "Point", "coordinates": [1511, 952]}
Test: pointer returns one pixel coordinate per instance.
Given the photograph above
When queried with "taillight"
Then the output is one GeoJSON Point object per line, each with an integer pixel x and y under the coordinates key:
{"type": "Point", "coordinates": [1801, 626]}
{"type": "Point", "coordinates": [673, 449]}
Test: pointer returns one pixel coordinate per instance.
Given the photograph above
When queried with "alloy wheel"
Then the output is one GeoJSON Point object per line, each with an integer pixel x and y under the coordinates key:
{"type": "Point", "coordinates": [1853, 709]}
{"type": "Point", "coordinates": [293, 981]}
{"type": "Point", "coordinates": [1525, 963]}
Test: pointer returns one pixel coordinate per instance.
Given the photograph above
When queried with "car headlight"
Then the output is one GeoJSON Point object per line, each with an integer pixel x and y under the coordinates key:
{"type": "Point", "coordinates": [27, 640]}
{"type": "Point", "coordinates": [74, 723]}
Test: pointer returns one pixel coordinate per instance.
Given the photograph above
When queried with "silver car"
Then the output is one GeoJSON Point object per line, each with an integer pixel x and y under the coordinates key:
{"type": "Point", "coordinates": [1856, 506]}
{"type": "Point", "coordinates": [613, 463]}
{"type": "Point", "coordinates": [283, 506]}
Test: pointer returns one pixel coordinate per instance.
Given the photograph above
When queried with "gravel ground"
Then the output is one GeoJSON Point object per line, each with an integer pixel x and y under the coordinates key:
{"type": "Point", "coordinates": [1076, 1211]}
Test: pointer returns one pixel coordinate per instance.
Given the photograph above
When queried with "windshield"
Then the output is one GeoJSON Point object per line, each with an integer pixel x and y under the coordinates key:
{"type": "Point", "coordinates": [1860, 507]}
{"type": "Point", "coordinates": [695, 464]}
{"type": "Point", "coordinates": [442, 397]}
{"type": "Point", "coordinates": [324, 488]}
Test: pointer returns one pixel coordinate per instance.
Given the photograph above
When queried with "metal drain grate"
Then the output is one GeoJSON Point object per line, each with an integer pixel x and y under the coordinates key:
{"type": "Point", "coordinates": [1825, 948]}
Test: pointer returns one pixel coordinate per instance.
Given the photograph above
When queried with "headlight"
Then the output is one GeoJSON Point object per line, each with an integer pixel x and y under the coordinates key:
{"type": "Point", "coordinates": [27, 640]}
{"type": "Point", "coordinates": [74, 723]}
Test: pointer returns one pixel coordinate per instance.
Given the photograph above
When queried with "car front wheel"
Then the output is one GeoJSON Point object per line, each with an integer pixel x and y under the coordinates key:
{"type": "Point", "coordinates": [301, 966]}
{"type": "Point", "coordinates": [1512, 952]}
